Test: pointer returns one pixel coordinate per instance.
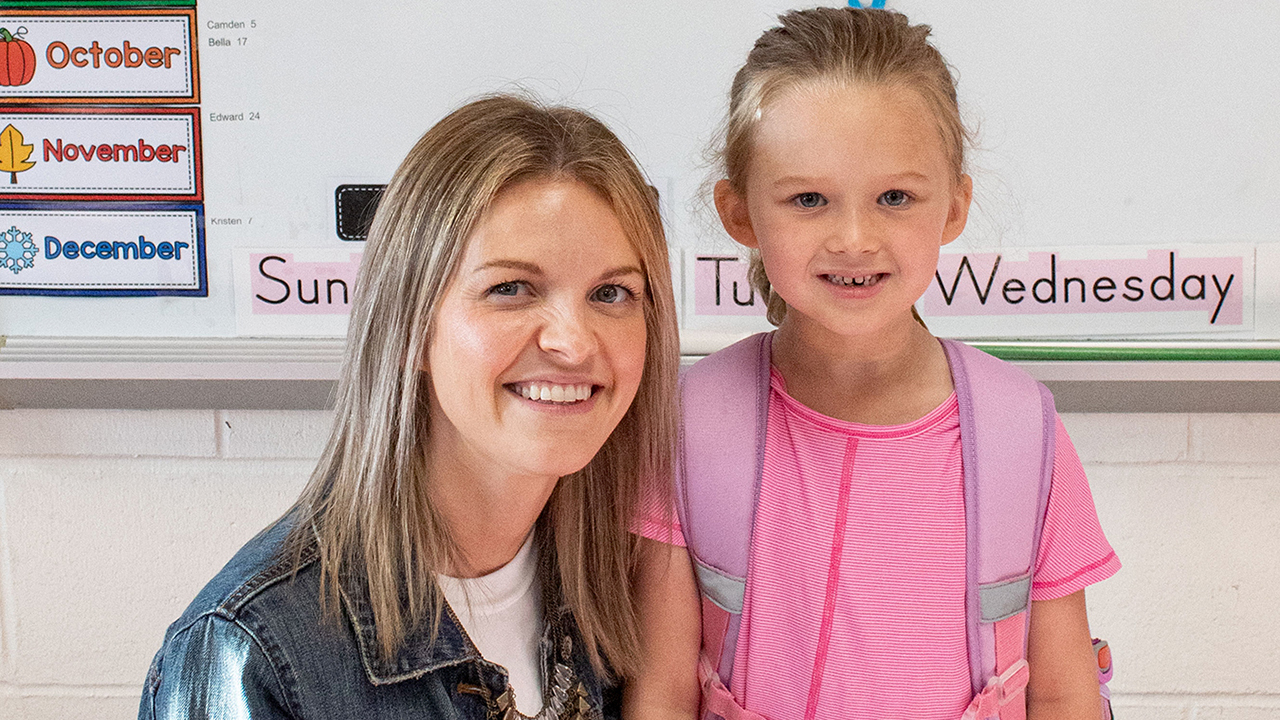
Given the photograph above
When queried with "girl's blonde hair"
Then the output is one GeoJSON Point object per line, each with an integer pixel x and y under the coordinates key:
{"type": "Point", "coordinates": [368, 498]}
{"type": "Point", "coordinates": [841, 45]}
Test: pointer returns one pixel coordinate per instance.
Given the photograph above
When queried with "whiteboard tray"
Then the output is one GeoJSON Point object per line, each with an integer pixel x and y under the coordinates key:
{"type": "Point", "coordinates": [299, 373]}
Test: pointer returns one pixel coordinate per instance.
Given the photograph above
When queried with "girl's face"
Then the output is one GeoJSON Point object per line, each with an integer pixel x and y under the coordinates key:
{"type": "Point", "coordinates": [849, 196]}
{"type": "Point", "coordinates": [539, 340]}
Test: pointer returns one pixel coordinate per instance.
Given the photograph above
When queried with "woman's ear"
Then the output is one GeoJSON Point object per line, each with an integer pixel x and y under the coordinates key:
{"type": "Point", "coordinates": [733, 214]}
{"type": "Point", "coordinates": [958, 215]}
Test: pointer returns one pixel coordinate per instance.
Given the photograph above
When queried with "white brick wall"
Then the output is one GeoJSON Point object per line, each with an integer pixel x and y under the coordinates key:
{"type": "Point", "coordinates": [1191, 504]}
{"type": "Point", "coordinates": [110, 521]}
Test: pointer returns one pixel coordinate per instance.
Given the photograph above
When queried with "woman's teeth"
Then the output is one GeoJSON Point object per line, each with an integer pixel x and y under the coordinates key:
{"type": "Point", "coordinates": [545, 392]}
{"type": "Point", "coordinates": [862, 281]}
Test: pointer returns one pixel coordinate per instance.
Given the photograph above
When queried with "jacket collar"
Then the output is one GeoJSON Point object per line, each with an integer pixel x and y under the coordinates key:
{"type": "Point", "coordinates": [417, 655]}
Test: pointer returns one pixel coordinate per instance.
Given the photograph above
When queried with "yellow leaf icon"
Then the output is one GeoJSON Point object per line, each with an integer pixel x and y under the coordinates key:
{"type": "Point", "coordinates": [13, 154]}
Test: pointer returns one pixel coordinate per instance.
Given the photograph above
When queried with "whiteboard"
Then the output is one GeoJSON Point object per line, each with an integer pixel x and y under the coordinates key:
{"type": "Point", "coordinates": [1136, 123]}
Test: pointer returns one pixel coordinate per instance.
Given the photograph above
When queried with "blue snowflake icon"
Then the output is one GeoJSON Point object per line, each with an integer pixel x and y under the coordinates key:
{"type": "Point", "coordinates": [17, 250]}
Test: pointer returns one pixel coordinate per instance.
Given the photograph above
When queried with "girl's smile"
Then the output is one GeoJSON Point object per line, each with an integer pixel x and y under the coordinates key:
{"type": "Point", "coordinates": [855, 287]}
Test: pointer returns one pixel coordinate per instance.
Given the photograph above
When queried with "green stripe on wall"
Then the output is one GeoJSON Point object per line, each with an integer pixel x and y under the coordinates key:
{"type": "Point", "coordinates": [98, 3]}
{"type": "Point", "coordinates": [1155, 353]}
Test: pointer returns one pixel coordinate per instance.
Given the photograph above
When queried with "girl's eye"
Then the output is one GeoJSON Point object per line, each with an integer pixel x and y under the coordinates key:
{"type": "Point", "coordinates": [612, 294]}
{"type": "Point", "coordinates": [894, 198]}
{"type": "Point", "coordinates": [809, 200]}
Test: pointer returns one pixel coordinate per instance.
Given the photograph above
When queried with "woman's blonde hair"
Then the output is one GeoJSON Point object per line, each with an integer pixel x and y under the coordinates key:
{"type": "Point", "coordinates": [846, 46]}
{"type": "Point", "coordinates": [368, 498]}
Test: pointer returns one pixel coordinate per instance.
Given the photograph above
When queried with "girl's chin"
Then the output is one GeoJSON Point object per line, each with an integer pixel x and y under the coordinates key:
{"type": "Point", "coordinates": [862, 324]}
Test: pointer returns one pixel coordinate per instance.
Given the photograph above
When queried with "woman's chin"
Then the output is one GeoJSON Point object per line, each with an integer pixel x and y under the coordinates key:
{"type": "Point", "coordinates": [557, 461]}
{"type": "Point", "coordinates": [553, 464]}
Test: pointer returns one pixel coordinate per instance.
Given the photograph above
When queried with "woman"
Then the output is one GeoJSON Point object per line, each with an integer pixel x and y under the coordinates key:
{"type": "Point", "coordinates": [462, 548]}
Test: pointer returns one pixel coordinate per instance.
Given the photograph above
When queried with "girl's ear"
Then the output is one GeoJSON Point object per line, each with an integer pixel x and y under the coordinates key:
{"type": "Point", "coordinates": [958, 215]}
{"type": "Point", "coordinates": [733, 214]}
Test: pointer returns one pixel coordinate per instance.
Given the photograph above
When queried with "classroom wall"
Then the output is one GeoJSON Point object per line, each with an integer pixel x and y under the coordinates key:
{"type": "Point", "coordinates": [111, 520]}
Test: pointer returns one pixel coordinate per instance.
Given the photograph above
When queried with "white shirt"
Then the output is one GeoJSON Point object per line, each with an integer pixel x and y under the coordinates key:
{"type": "Point", "coordinates": [502, 613]}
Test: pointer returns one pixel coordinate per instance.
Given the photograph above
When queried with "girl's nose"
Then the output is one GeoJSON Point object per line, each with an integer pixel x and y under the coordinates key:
{"type": "Point", "coordinates": [568, 334]}
{"type": "Point", "coordinates": [853, 232]}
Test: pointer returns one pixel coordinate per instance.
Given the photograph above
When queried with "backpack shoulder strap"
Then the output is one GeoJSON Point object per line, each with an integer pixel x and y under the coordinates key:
{"type": "Point", "coordinates": [1007, 430]}
{"type": "Point", "coordinates": [725, 403]}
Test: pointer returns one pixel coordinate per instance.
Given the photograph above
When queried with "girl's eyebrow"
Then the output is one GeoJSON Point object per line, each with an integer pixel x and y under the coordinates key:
{"type": "Point", "coordinates": [908, 175]}
{"type": "Point", "coordinates": [793, 180]}
{"type": "Point", "coordinates": [804, 179]}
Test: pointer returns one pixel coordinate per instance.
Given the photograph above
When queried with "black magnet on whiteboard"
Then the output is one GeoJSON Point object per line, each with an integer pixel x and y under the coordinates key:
{"type": "Point", "coordinates": [354, 206]}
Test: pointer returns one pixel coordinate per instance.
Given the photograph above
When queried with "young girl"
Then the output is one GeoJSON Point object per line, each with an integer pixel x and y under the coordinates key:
{"type": "Point", "coordinates": [844, 174]}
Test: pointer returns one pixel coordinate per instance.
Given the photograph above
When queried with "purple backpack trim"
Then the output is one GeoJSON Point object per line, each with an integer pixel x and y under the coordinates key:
{"type": "Point", "coordinates": [1006, 445]}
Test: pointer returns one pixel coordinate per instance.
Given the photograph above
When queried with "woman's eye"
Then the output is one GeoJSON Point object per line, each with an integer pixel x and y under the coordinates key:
{"type": "Point", "coordinates": [507, 289]}
{"type": "Point", "coordinates": [894, 198]}
{"type": "Point", "coordinates": [809, 200]}
{"type": "Point", "coordinates": [613, 294]}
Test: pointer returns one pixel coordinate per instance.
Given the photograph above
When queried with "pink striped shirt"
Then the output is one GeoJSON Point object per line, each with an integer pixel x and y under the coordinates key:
{"type": "Point", "coordinates": [855, 599]}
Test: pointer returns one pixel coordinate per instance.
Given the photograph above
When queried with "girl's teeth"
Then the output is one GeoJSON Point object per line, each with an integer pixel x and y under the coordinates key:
{"type": "Point", "coordinates": [855, 281]}
{"type": "Point", "coordinates": [555, 393]}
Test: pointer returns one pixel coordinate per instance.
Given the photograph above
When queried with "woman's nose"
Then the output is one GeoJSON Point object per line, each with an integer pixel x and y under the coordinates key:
{"type": "Point", "coordinates": [568, 334]}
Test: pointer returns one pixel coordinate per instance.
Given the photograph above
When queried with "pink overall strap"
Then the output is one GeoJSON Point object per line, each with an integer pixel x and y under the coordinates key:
{"type": "Point", "coordinates": [724, 399]}
{"type": "Point", "coordinates": [1007, 432]}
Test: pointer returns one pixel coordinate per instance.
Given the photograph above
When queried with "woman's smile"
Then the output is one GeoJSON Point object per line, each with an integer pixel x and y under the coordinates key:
{"type": "Point", "coordinates": [553, 393]}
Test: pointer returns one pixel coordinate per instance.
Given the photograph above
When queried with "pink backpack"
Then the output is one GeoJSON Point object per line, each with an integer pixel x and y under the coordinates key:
{"type": "Point", "coordinates": [1006, 436]}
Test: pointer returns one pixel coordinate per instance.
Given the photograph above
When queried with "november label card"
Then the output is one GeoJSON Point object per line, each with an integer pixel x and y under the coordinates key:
{"type": "Point", "coordinates": [100, 153]}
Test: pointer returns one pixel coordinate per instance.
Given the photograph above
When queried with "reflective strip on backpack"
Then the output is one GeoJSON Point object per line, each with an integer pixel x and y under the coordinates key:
{"type": "Point", "coordinates": [725, 590]}
{"type": "Point", "coordinates": [1002, 600]}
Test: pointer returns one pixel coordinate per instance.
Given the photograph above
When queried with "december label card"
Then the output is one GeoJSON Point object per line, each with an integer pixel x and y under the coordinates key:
{"type": "Point", "coordinates": [101, 249]}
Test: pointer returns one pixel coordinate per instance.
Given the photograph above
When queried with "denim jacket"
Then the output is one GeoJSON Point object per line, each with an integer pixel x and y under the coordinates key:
{"type": "Point", "coordinates": [255, 644]}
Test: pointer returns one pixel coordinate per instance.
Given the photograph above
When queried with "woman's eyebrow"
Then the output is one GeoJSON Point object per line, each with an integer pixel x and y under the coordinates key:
{"type": "Point", "coordinates": [535, 269]}
{"type": "Point", "coordinates": [528, 267]}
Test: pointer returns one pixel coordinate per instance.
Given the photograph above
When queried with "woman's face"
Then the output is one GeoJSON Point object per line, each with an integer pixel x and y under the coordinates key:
{"type": "Point", "coordinates": [539, 339]}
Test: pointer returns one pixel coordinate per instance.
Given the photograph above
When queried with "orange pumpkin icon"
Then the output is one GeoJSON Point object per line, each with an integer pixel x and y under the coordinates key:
{"type": "Point", "coordinates": [17, 59]}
